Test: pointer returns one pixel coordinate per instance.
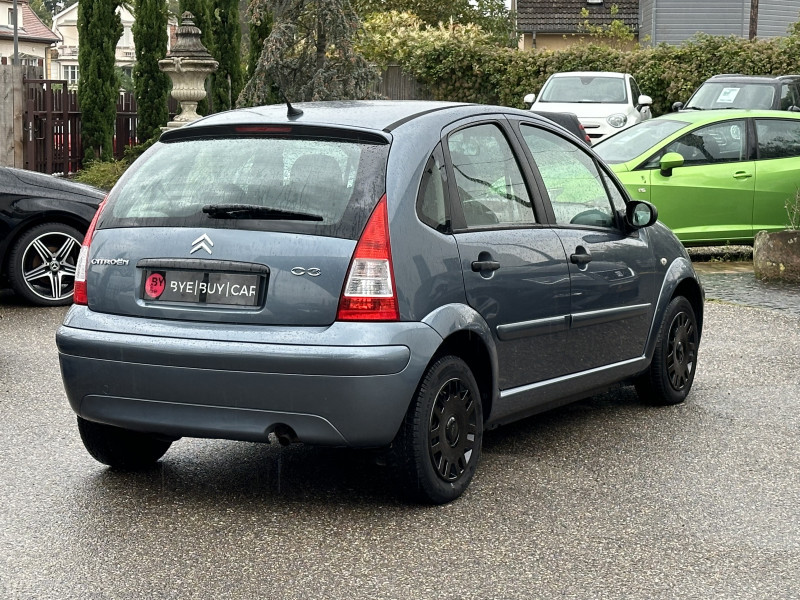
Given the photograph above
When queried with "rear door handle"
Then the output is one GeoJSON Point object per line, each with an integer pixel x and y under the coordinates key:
{"type": "Point", "coordinates": [485, 265]}
{"type": "Point", "coordinates": [742, 175]}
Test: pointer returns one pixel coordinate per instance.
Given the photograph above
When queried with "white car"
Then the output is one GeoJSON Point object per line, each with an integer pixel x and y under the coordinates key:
{"type": "Point", "coordinates": [604, 102]}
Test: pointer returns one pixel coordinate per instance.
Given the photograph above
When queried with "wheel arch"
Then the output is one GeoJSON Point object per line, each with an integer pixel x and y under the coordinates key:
{"type": "Point", "coordinates": [466, 334]}
{"type": "Point", "coordinates": [690, 289]}
{"type": "Point", "coordinates": [61, 218]}
{"type": "Point", "coordinates": [680, 279]}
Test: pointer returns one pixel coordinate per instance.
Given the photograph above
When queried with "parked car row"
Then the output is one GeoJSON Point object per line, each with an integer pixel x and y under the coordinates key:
{"type": "Point", "coordinates": [391, 275]}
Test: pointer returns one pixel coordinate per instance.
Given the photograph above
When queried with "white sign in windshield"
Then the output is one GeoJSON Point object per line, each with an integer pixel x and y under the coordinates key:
{"type": "Point", "coordinates": [728, 95]}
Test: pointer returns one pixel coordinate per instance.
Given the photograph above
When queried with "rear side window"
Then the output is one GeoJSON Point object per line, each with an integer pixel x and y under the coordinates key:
{"type": "Point", "coordinates": [490, 185]}
{"type": "Point", "coordinates": [778, 138]}
{"type": "Point", "coordinates": [333, 184]}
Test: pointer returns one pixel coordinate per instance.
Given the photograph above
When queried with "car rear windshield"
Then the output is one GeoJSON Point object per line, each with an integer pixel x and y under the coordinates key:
{"type": "Point", "coordinates": [585, 89]}
{"type": "Point", "coordinates": [314, 185]}
{"type": "Point", "coordinates": [732, 95]}
{"type": "Point", "coordinates": [630, 143]}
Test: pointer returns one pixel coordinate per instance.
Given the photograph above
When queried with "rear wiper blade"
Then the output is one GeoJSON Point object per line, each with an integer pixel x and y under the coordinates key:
{"type": "Point", "coordinates": [255, 211]}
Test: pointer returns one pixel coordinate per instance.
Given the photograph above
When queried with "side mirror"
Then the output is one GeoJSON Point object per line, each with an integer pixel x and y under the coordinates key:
{"type": "Point", "coordinates": [676, 106]}
{"type": "Point", "coordinates": [644, 101]}
{"type": "Point", "coordinates": [639, 213]}
{"type": "Point", "coordinates": [669, 161]}
{"type": "Point", "coordinates": [529, 99]}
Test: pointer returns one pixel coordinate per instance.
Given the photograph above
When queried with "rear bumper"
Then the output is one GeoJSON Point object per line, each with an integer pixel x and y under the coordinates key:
{"type": "Point", "coordinates": [349, 384]}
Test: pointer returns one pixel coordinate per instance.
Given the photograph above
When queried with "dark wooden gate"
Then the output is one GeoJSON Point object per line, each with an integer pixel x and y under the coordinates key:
{"type": "Point", "coordinates": [52, 141]}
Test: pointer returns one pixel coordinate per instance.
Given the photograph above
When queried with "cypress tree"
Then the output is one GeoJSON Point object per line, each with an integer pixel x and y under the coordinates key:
{"type": "Point", "coordinates": [227, 80]}
{"type": "Point", "coordinates": [151, 86]}
{"type": "Point", "coordinates": [200, 10]}
{"type": "Point", "coordinates": [100, 27]}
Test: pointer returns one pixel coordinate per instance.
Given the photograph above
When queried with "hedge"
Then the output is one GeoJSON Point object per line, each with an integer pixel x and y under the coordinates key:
{"type": "Point", "coordinates": [462, 66]}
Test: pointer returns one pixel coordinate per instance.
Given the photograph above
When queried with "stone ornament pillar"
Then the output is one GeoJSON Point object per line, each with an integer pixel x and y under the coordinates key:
{"type": "Point", "coordinates": [188, 65]}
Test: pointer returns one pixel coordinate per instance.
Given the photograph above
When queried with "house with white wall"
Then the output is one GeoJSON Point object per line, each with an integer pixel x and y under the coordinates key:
{"type": "Point", "coordinates": [34, 38]}
{"type": "Point", "coordinates": [65, 25]}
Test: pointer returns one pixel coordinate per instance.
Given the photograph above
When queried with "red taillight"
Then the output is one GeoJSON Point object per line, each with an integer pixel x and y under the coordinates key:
{"type": "Point", "coordinates": [369, 293]}
{"type": "Point", "coordinates": [79, 295]}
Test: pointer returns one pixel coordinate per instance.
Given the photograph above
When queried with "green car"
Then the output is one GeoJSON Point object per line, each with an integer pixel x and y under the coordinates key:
{"type": "Point", "coordinates": [716, 176]}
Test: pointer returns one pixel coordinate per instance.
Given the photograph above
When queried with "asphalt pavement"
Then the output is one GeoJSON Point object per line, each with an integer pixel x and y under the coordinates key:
{"type": "Point", "coordinates": [605, 498]}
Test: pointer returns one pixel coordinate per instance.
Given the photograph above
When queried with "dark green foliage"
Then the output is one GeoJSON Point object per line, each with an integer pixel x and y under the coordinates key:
{"type": "Point", "coordinates": [227, 80]}
{"type": "Point", "coordinates": [201, 10]}
{"type": "Point", "coordinates": [151, 86]}
{"type": "Point", "coordinates": [42, 11]}
{"type": "Point", "coordinates": [309, 54]}
{"type": "Point", "coordinates": [97, 87]}
{"type": "Point", "coordinates": [260, 28]}
{"type": "Point", "coordinates": [457, 68]}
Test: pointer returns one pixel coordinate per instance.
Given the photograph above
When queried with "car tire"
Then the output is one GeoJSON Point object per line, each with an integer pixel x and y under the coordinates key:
{"type": "Point", "coordinates": [121, 448]}
{"type": "Point", "coordinates": [438, 446]}
{"type": "Point", "coordinates": [671, 373]}
{"type": "Point", "coordinates": [42, 262]}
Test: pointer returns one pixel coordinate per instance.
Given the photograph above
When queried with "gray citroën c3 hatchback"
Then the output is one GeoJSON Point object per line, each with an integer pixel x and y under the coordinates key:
{"type": "Point", "coordinates": [376, 274]}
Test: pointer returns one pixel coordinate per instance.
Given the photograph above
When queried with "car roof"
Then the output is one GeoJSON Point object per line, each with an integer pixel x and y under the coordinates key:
{"type": "Point", "coordinates": [733, 77]}
{"type": "Point", "coordinates": [702, 116]}
{"type": "Point", "coordinates": [379, 115]}
{"type": "Point", "coordinates": [590, 73]}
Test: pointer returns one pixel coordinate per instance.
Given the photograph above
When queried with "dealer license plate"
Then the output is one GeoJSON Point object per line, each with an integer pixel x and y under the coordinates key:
{"type": "Point", "coordinates": [202, 287]}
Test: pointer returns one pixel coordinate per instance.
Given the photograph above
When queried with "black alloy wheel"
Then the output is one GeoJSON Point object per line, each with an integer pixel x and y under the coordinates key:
{"type": "Point", "coordinates": [42, 264]}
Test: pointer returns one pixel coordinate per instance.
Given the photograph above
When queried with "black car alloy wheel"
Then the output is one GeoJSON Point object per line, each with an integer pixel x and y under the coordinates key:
{"type": "Point", "coordinates": [42, 267]}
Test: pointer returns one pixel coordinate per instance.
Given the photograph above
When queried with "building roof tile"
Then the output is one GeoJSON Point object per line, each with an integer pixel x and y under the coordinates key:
{"type": "Point", "coordinates": [32, 30]}
{"type": "Point", "coordinates": [564, 16]}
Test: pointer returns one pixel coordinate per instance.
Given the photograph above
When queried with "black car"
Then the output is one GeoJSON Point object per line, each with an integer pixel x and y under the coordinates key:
{"type": "Point", "coordinates": [42, 222]}
{"type": "Point", "coordinates": [568, 121]}
{"type": "Point", "coordinates": [769, 92]}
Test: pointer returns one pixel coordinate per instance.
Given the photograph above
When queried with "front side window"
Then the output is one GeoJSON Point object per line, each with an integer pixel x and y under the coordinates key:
{"type": "Point", "coordinates": [635, 91]}
{"type": "Point", "coordinates": [574, 183]}
{"type": "Point", "coordinates": [778, 138]}
{"type": "Point", "coordinates": [490, 185]}
{"type": "Point", "coordinates": [789, 96]}
{"type": "Point", "coordinates": [717, 143]}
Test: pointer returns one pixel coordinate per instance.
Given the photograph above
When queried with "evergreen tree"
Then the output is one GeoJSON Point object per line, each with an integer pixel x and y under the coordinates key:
{"type": "Point", "coordinates": [309, 54]}
{"type": "Point", "coordinates": [200, 10]}
{"type": "Point", "coordinates": [151, 85]}
{"type": "Point", "coordinates": [100, 27]}
{"type": "Point", "coordinates": [259, 31]}
{"type": "Point", "coordinates": [227, 80]}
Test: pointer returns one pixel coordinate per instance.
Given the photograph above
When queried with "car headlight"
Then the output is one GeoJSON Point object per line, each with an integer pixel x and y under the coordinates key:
{"type": "Point", "coordinates": [618, 120]}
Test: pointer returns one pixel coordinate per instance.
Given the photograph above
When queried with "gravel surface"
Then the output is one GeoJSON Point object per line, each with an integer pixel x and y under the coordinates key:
{"type": "Point", "coordinates": [606, 498]}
